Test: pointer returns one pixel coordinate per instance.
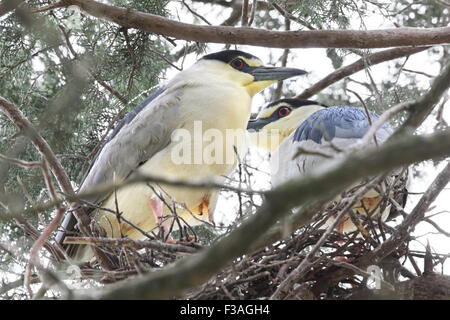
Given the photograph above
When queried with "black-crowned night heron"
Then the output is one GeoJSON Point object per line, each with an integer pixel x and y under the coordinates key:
{"type": "Point", "coordinates": [214, 94]}
{"type": "Point", "coordinates": [288, 125]}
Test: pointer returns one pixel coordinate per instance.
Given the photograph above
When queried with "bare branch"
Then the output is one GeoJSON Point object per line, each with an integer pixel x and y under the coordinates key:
{"type": "Point", "coordinates": [359, 65]}
{"type": "Point", "coordinates": [258, 37]}
{"type": "Point", "coordinates": [195, 13]}
{"type": "Point", "coordinates": [289, 16]}
{"type": "Point", "coordinates": [419, 72]}
{"type": "Point", "coordinates": [21, 163]}
{"type": "Point", "coordinates": [136, 244]}
{"type": "Point", "coordinates": [422, 107]}
{"type": "Point", "coordinates": [244, 17]}
{"type": "Point", "coordinates": [385, 117]}
{"type": "Point", "coordinates": [436, 226]}
{"type": "Point", "coordinates": [253, 12]}
{"type": "Point", "coordinates": [46, 233]}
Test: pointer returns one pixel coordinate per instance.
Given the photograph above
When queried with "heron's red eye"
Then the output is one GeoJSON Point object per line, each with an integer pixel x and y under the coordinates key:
{"type": "Point", "coordinates": [283, 112]}
{"type": "Point", "coordinates": [238, 64]}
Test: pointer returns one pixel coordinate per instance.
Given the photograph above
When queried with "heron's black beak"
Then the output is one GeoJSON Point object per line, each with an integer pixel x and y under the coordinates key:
{"type": "Point", "coordinates": [257, 124]}
{"type": "Point", "coordinates": [274, 73]}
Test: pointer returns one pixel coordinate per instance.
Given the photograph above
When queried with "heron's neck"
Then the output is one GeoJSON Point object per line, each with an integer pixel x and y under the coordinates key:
{"type": "Point", "coordinates": [273, 134]}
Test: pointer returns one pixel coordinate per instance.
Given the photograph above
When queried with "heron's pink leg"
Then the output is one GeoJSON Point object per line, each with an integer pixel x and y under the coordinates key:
{"type": "Point", "coordinates": [157, 209]}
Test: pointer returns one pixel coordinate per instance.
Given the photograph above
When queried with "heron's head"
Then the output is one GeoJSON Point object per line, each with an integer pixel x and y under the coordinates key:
{"type": "Point", "coordinates": [278, 120]}
{"type": "Point", "coordinates": [244, 69]}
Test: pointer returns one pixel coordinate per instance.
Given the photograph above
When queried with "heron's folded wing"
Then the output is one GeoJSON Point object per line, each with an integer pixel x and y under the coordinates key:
{"type": "Point", "coordinates": [341, 126]}
{"type": "Point", "coordinates": [339, 122]}
{"type": "Point", "coordinates": [140, 135]}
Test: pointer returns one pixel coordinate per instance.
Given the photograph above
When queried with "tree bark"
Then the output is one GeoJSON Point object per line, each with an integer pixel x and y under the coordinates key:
{"type": "Point", "coordinates": [258, 37]}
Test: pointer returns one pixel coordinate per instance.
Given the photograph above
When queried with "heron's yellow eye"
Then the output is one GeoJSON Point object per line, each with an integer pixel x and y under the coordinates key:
{"type": "Point", "coordinates": [283, 112]}
{"type": "Point", "coordinates": [237, 63]}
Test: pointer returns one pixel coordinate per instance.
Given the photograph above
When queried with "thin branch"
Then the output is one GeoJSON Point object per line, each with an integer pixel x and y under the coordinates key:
{"type": "Point", "coordinates": [253, 12]}
{"type": "Point", "coordinates": [110, 187]}
{"type": "Point", "coordinates": [436, 226]}
{"type": "Point", "coordinates": [21, 163]}
{"type": "Point", "coordinates": [369, 118]}
{"type": "Point", "coordinates": [30, 57]}
{"type": "Point", "coordinates": [136, 244]}
{"type": "Point", "coordinates": [291, 17]}
{"type": "Point", "coordinates": [443, 2]}
{"type": "Point", "coordinates": [419, 72]}
{"type": "Point", "coordinates": [195, 13]}
{"type": "Point", "coordinates": [261, 5]}
{"type": "Point", "coordinates": [159, 54]}
{"type": "Point", "coordinates": [385, 117]}
{"type": "Point", "coordinates": [284, 58]}
{"type": "Point", "coordinates": [359, 65]}
{"type": "Point", "coordinates": [115, 93]}
{"type": "Point", "coordinates": [357, 270]}
{"type": "Point", "coordinates": [422, 107]}
{"type": "Point", "coordinates": [244, 17]}
{"type": "Point", "coordinates": [46, 233]}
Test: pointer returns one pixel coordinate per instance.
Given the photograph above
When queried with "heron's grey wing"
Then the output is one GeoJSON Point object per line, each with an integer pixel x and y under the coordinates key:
{"type": "Point", "coordinates": [340, 126]}
{"type": "Point", "coordinates": [339, 122]}
{"type": "Point", "coordinates": [140, 135]}
{"type": "Point", "coordinates": [127, 119]}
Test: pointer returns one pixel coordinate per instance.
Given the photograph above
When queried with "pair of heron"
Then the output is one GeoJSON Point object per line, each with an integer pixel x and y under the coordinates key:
{"type": "Point", "coordinates": [217, 91]}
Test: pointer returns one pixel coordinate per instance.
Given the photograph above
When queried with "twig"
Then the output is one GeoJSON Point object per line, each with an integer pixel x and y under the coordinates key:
{"type": "Point", "coordinates": [369, 118]}
{"type": "Point", "coordinates": [443, 2]}
{"type": "Point", "coordinates": [159, 54]}
{"type": "Point", "coordinates": [359, 65]}
{"type": "Point", "coordinates": [385, 117]}
{"type": "Point", "coordinates": [46, 233]}
{"type": "Point", "coordinates": [436, 226]}
{"type": "Point", "coordinates": [419, 72]}
{"type": "Point", "coordinates": [302, 150]}
{"type": "Point", "coordinates": [422, 107]}
{"type": "Point", "coordinates": [195, 13]}
{"type": "Point", "coordinates": [291, 17]}
{"type": "Point", "coordinates": [253, 12]}
{"type": "Point", "coordinates": [244, 18]}
{"type": "Point", "coordinates": [136, 244]}
{"type": "Point", "coordinates": [22, 163]}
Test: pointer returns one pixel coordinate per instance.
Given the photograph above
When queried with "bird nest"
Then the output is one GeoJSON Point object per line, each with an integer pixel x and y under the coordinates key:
{"type": "Point", "coordinates": [316, 261]}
